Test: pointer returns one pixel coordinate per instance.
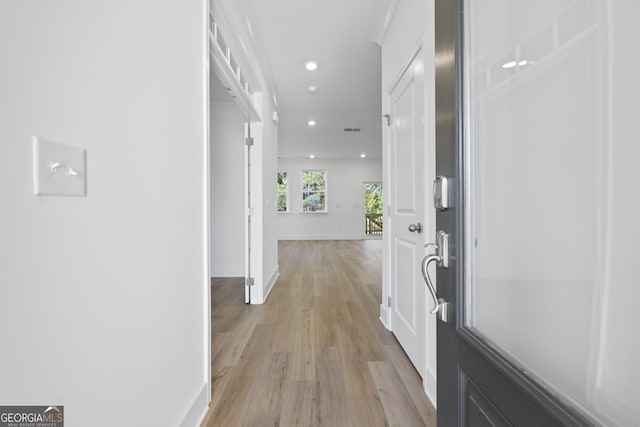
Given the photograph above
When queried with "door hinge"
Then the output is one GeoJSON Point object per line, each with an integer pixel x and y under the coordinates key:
{"type": "Point", "coordinates": [388, 116]}
{"type": "Point", "coordinates": [388, 301]}
{"type": "Point", "coordinates": [249, 141]}
{"type": "Point", "coordinates": [249, 281]}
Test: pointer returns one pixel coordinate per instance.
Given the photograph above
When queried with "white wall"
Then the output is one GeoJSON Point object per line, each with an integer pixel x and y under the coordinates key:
{"type": "Point", "coordinates": [412, 25]}
{"type": "Point", "coordinates": [345, 199]}
{"type": "Point", "coordinates": [103, 297]}
{"type": "Point", "coordinates": [227, 185]}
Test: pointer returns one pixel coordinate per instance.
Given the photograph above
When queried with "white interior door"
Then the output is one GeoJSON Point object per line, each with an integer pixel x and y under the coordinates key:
{"type": "Point", "coordinates": [406, 210]}
{"type": "Point", "coordinates": [249, 280]}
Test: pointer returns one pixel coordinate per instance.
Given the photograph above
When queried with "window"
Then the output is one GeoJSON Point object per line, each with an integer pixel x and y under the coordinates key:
{"type": "Point", "coordinates": [314, 191]}
{"type": "Point", "coordinates": [373, 208]}
{"type": "Point", "coordinates": [283, 199]}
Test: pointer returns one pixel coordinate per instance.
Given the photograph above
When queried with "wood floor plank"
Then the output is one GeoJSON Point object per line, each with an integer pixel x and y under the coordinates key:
{"type": "Point", "coordinates": [299, 404]}
{"type": "Point", "coordinates": [365, 408]}
{"type": "Point", "coordinates": [303, 365]}
{"type": "Point", "coordinates": [398, 406]}
{"type": "Point", "coordinates": [412, 383]}
{"type": "Point", "coordinates": [332, 409]}
{"type": "Point", "coordinates": [239, 388]}
{"type": "Point", "coordinates": [266, 400]}
{"type": "Point", "coordinates": [316, 352]}
{"type": "Point", "coordinates": [365, 411]}
{"type": "Point", "coordinates": [219, 383]}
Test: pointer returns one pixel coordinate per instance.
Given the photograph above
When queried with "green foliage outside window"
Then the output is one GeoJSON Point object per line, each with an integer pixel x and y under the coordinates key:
{"type": "Point", "coordinates": [314, 191]}
{"type": "Point", "coordinates": [373, 198]}
{"type": "Point", "coordinates": [282, 192]}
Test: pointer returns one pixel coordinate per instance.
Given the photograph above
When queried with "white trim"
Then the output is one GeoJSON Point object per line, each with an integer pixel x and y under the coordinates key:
{"type": "Point", "coordinates": [272, 281]}
{"type": "Point", "coordinates": [321, 237]}
{"type": "Point", "coordinates": [248, 212]}
{"type": "Point", "coordinates": [228, 270]}
{"type": "Point", "coordinates": [405, 65]}
{"type": "Point", "coordinates": [225, 106]}
{"type": "Point", "coordinates": [257, 217]}
{"type": "Point", "coordinates": [385, 318]}
{"type": "Point", "coordinates": [233, 31]}
{"type": "Point", "coordinates": [385, 312]}
{"type": "Point", "coordinates": [429, 383]}
{"type": "Point", "coordinates": [229, 79]}
{"type": "Point", "coordinates": [206, 197]}
{"type": "Point", "coordinates": [199, 408]}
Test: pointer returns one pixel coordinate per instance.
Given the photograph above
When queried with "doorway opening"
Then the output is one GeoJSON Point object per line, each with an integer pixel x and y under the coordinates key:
{"type": "Point", "coordinates": [227, 184]}
{"type": "Point", "coordinates": [373, 202]}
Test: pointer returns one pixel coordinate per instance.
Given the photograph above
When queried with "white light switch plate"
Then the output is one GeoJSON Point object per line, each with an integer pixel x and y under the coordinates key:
{"type": "Point", "coordinates": [58, 169]}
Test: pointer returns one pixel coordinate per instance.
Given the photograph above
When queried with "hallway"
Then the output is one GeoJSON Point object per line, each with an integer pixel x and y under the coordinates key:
{"type": "Point", "coordinates": [315, 353]}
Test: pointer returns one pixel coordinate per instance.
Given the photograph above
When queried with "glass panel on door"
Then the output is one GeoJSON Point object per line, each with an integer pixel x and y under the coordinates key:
{"type": "Point", "coordinates": [546, 203]}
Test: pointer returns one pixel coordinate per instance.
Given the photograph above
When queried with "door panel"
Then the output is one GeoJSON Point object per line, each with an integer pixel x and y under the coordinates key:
{"type": "Point", "coordinates": [404, 146]}
{"type": "Point", "coordinates": [481, 412]}
{"type": "Point", "coordinates": [535, 92]}
{"type": "Point", "coordinates": [407, 208]}
{"type": "Point", "coordinates": [405, 307]}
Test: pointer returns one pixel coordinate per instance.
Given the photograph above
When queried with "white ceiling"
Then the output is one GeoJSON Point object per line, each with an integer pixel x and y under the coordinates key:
{"type": "Point", "coordinates": [338, 35]}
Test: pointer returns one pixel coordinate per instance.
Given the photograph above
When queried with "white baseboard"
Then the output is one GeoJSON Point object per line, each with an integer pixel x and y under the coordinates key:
{"type": "Point", "coordinates": [198, 409]}
{"type": "Point", "coordinates": [384, 316]}
{"type": "Point", "coordinates": [315, 237]}
{"type": "Point", "coordinates": [271, 282]}
{"type": "Point", "coordinates": [431, 388]}
{"type": "Point", "coordinates": [227, 271]}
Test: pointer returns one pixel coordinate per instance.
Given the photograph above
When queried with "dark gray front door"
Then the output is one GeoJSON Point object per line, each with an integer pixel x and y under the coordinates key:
{"type": "Point", "coordinates": [523, 118]}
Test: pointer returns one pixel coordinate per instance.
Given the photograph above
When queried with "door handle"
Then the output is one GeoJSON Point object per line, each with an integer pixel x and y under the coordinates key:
{"type": "Point", "coordinates": [415, 227]}
{"type": "Point", "coordinates": [425, 273]}
{"type": "Point", "coordinates": [440, 306]}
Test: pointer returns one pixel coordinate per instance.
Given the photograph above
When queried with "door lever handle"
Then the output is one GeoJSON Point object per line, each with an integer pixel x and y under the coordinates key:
{"type": "Point", "coordinates": [425, 273]}
{"type": "Point", "coordinates": [415, 227]}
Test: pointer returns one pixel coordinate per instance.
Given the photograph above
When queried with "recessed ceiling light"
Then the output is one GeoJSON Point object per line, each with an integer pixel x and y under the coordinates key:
{"type": "Point", "coordinates": [311, 123]}
{"type": "Point", "coordinates": [312, 156]}
{"type": "Point", "coordinates": [311, 90]}
{"type": "Point", "coordinates": [363, 155]}
{"type": "Point", "coordinates": [510, 64]}
{"type": "Point", "coordinates": [311, 65]}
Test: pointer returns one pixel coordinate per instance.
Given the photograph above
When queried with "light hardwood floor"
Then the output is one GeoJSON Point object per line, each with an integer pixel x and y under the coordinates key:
{"type": "Point", "coordinates": [315, 353]}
